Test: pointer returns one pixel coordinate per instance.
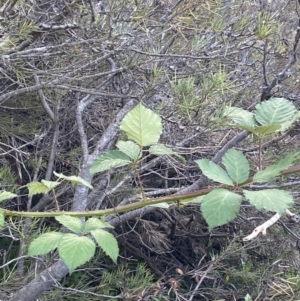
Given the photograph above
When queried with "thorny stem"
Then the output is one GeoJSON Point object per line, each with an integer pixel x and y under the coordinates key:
{"type": "Point", "coordinates": [136, 170]}
{"type": "Point", "coordinates": [132, 206]}
{"type": "Point", "coordinates": [260, 165]}
{"type": "Point", "coordinates": [56, 202]}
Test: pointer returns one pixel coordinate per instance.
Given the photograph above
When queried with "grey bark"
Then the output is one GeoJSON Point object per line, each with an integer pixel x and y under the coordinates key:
{"type": "Point", "coordinates": [42, 282]}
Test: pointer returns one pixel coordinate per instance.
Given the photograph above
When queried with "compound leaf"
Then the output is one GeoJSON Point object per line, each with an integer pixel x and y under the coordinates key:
{"type": "Point", "coordinates": [142, 125]}
{"type": "Point", "coordinates": [108, 160]}
{"type": "Point", "coordinates": [75, 250]}
{"type": "Point", "coordinates": [214, 171]}
{"type": "Point", "coordinates": [45, 243]}
{"type": "Point", "coordinates": [237, 165]}
{"type": "Point", "coordinates": [274, 200]}
{"type": "Point", "coordinates": [107, 242]}
{"type": "Point", "coordinates": [220, 206]}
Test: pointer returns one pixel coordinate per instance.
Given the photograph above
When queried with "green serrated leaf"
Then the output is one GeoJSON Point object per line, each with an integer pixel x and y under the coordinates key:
{"type": "Point", "coordinates": [237, 165]}
{"type": "Point", "coordinates": [72, 223]}
{"type": "Point", "coordinates": [274, 111]}
{"type": "Point", "coordinates": [75, 250]}
{"type": "Point", "coordinates": [1, 219]}
{"type": "Point", "coordinates": [214, 172]}
{"type": "Point", "coordinates": [94, 223]}
{"type": "Point", "coordinates": [274, 200]}
{"type": "Point", "coordinates": [44, 243]}
{"type": "Point", "coordinates": [160, 149]}
{"type": "Point", "coordinates": [275, 170]}
{"type": "Point", "coordinates": [108, 160]}
{"type": "Point", "coordinates": [50, 184]}
{"type": "Point", "coordinates": [220, 206]}
{"type": "Point", "coordinates": [107, 242]}
{"type": "Point", "coordinates": [74, 180]}
{"type": "Point", "coordinates": [6, 195]}
{"type": "Point", "coordinates": [131, 149]}
{"type": "Point", "coordinates": [286, 125]}
{"type": "Point", "coordinates": [142, 125]}
{"type": "Point", "coordinates": [36, 188]}
{"type": "Point", "coordinates": [239, 116]}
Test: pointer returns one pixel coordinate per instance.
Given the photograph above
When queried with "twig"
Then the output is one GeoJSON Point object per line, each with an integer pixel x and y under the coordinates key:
{"type": "Point", "coordinates": [81, 130]}
{"type": "Point", "coordinates": [54, 143]}
{"type": "Point", "coordinates": [40, 50]}
{"type": "Point", "coordinates": [182, 56]}
{"type": "Point", "coordinates": [137, 174]}
{"type": "Point", "coordinates": [93, 12]}
{"type": "Point", "coordinates": [290, 231]}
{"type": "Point", "coordinates": [13, 260]}
{"type": "Point", "coordinates": [260, 163]}
{"type": "Point", "coordinates": [43, 99]}
{"type": "Point", "coordinates": [201, 280]}
{"type": "Point", "coordinates": [267, 186]}
{"type": "Point", "coordinates": [263, 228]}
{"type": "Point", "coordinates": [265, 63]}
{"type": "Point", "coordinates": [87, 292]}
{"type": "Point", "coordinates": [233, 142]}
{"type": "Point", "coordinates": [281, 76]}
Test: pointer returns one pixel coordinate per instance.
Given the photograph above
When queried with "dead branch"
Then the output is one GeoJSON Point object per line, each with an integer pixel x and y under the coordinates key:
{"type": "Point", "coordinates": [263, 228]}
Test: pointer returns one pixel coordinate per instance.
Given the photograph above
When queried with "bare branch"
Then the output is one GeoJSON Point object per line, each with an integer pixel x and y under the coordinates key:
{"type": "Point", "coordinates": [56, 27]}
{"type": "Point", "coordinates": [42, 282]}
{"type": "Point", "coordinates": [283, 74]}
{"type": "Point", "coordinates": [42, 98]}
{"type": "Point", "coordinates": [81, 130]}
{"type": "Point", "coordinates": [55, 137]}
{"type": "Point", "coordinates": [88, 91]}
{"type": "Point", "coordinates": [131, 215]}
{"type": "Point", "coordinates": [231, 143]}
{"type": "Point", "coordinates": [265, 63]}
{"type": "Point", "coordinates": [10, 94]}
{"type": "Point", "coordinates": [40, 50]}
{"type": "Point", "coordinates": [208, 57]}
{"type": "Point", "coordinates": [263, 228]}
